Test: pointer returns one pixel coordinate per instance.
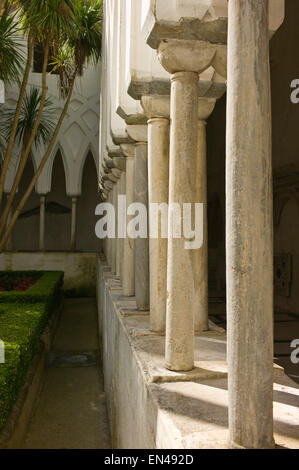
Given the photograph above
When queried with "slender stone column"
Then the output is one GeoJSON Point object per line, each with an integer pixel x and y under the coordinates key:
{"type": "Point", "coordinates": [117, 245]}
{"type": "Point", "coordinates": [128, 263]}
{"type": "Point", "coordinates": [184, 59]}
{"type": "Point", "coordinates": [42, 223]}
{"type": "Point", "coordinates": [141, 255]}
{"type": "Point", "coordinates": [73, 223]}
{"type": "Point", "coordinates": [182, 182]}
{"type": "Point", "coordinates": [249, 227]}
{"type": "Point", "coordinates": [138, 133]}
{"type": "Point", "coordinates": [121, 241]}
{"type": "Point", "coordinates": [113, 240]}
{"type": "Point", "coordinates": [110, 240]}
{"type": "Point", "coordinates": [205, 108]}
{"type": "Point", "coordinates": [157, 108]}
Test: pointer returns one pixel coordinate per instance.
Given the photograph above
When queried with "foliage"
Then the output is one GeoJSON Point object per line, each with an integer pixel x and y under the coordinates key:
{"type": "Point", "coordinates": [45, 19]}
{"type": "Point", "coordinates": [81, 45]}
{"type": "Point", "coordinates": [42, 291]}
{"type": "Point", "coordinates": [28, 117]}
{"type": "Point", "coordinates": [11, 49]}
{"type": "Point", "coordinates": [19, 282]}
{"type": "Point", "coordinates": [21, 326]}
{"type": "Point", "coordinates": [72, 32]}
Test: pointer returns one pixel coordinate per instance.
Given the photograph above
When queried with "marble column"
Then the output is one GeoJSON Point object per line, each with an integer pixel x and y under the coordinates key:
{"type": "Point", "coordinates": [141, 245]}
{"type": "Point", "coordinates": [114, 240]}
{"type": "Point", "coordinates": [74, 223]}
{"type": "Point", "coordinates": [121, 241]}
{"type": "Point", "coordinates": [42, 223]}
{"type": "Point", "coordinates": [185, 60]}
{"type": "Point", "coordinates": [201, 301]}
{"type": "Point", "coordinates": [117, 252]}
{"type": "Point", "coordinates": [182, 183]}
{"type": "Point", "coordinates": [141, 255]}
{"type": "Point", "coordinates": [128, 262]}
{"type": "Point", "coordinates": [157, 108]}
{"type": "Point", "coordinates": [108, 240]}
{"type": "Point", "coordinates": [249, 227]}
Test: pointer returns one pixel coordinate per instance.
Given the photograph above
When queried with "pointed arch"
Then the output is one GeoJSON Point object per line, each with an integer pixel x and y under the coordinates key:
{"type": "Point", "coordinates": [89, 149]}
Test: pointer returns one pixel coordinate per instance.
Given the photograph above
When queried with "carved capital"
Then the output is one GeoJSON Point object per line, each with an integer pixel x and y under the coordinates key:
{"type": "Point", "coordinates": [116, 173]}
{"type": "Point", "coordinates": [128, 150]}
{"type": "Point", "coordinates": [137, 133]}
{"type": "Point", "coordinates": [156, 106]}
{"type": "Point", "coordinates": [205, 108]}
{"type": "Point", "coordinates": [177, 55]}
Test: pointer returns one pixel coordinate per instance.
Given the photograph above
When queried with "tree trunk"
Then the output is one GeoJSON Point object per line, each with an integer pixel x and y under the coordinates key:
{"type": "Point", "coordinates": [38, 172]}
{"type": "Point", "coordinates": [28, 145]}
{"type": "Point", "coordinates": [10, 144]}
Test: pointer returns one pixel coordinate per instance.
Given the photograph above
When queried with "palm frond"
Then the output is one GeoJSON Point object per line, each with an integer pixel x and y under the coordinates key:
{"type": "Point", "coordinates": [11, 47]}
{"type": "Point", "coordinates": [45, 18]}
{"type": "Point", "coordinates": [28, 117]}
{"type": "Point", "coordinates": [86, 36]}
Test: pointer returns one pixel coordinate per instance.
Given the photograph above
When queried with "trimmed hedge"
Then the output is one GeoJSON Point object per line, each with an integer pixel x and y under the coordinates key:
{"type": "Point", "coordinates": [23, 319]}
{"type": "Point", "coordinates": [47, 286]}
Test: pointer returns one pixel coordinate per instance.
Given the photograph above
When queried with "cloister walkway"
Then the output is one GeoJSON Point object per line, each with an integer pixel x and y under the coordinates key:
{"type": "Point", "coordinates": [71, 410]}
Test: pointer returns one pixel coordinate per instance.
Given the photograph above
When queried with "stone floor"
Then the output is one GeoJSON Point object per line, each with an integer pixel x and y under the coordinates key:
{"type": "Point", "coordinates": [71, 410]}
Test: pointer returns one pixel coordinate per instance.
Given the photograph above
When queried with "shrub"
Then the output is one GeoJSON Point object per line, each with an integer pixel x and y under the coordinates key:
{"type": "Point", "coordinates": [22, 321]}
{"type": "Point", "coordinates": [44, 290]}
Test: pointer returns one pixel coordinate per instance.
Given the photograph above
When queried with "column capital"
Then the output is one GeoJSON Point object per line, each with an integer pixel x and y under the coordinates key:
{"type": "Point", "coordinates": [156, 106]}
{"type": "Point", "coordinates": [128, 150]}
{"type": "Point", "coordinates": [116, 173]}
{"type": "Point", "coordinates": [108, 177]}
{"type": "Point", "coordinates": [137, 132]}
{"type": "Point", "coordinates": [178, 55]}
{"type": "Point", "coordinates": [205, 108]}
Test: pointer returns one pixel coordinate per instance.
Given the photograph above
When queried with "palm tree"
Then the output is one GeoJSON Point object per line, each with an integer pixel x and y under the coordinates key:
{"type": "Point", "coordinates": [27, 120]}
{"type": "Point", "coordinates": [45, 21]}
{"type": "Point", "coordinates": [82, 45]}
{"type": "Point", "coordinates": [28, 117]}
{"type": "Point", "coordinates": [11, 58]}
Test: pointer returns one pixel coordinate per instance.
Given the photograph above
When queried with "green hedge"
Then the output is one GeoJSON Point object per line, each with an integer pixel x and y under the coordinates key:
{"type": "Point", "coordinates": [44, 290]}
{"type": "Point", "coordinates": [21, 326]}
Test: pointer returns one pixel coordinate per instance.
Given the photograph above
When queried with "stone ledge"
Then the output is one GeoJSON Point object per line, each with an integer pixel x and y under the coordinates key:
{"type": "Point", "coordinates": [171, 410]}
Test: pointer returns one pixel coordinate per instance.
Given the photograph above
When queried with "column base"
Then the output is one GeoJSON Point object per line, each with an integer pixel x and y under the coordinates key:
{"type": "Point", "coordinates": [178, 369]}
{"type": "Point", "coordinates": [234, 445]}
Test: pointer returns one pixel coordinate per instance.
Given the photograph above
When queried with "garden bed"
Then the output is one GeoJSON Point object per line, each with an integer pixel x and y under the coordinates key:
{"type": "Point", "coordinates": [19, 282]}
{"type": "Point", "coordinates": [23, 318]}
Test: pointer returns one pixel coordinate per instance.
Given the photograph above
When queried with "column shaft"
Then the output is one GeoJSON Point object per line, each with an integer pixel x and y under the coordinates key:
{"type": "Point", "coordinates": [201, 254]}
{"type": "Point", "coordinates": [182, 183]}
{"type": "Point", "coordinates": [42, 223]}
{"type": "Point", "coordinates": [121, 241]}
{"type": "Point", "coordinates": [249, 227]}
{"type": "Point", "coordinates": [113, 240]}
{"type": "Point", "coordinates": [158, 180]}
{"type": "Point", "coordinates": [128, 266]}
{"type": "Point", "coordinates": [141, 249]}
{"type": "Point", "coordinates": [117, 245]}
